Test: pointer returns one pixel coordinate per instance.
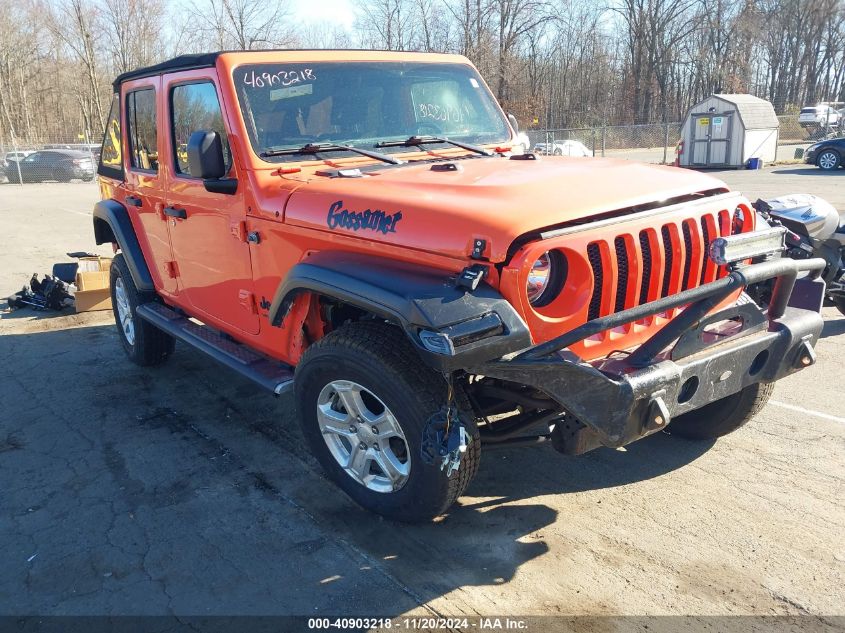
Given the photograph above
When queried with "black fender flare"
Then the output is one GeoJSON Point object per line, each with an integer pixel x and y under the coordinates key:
{"type": "Point", "coordinates": [481, 323]}
{"type": "Point", "coordinates": [112, 224]}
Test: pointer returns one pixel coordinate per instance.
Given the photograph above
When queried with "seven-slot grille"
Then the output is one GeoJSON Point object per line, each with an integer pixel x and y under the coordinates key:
{"type": "Point", "coordinates": [654, 263]}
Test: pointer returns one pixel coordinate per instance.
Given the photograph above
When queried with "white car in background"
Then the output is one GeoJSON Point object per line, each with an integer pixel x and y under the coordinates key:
{"type": "Point", "coordinates": [562, 148]}
{"type": "Point", "coordinates": [821, 115]}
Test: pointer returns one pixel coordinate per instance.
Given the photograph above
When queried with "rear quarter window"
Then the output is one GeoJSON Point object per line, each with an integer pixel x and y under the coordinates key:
{"type": "Point", "coordinates": [111, 155]}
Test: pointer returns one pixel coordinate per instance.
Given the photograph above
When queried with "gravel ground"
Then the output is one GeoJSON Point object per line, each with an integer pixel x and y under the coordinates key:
{"type": "Point", "coordinates": [184, 489]}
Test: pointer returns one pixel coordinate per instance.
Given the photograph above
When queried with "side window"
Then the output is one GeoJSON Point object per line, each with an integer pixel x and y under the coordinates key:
{"type": "Point", "coordinates": [141, 124]}
{"type": "Point", "coordinates": [195, 107]}
{"type": "Point", "coordinates": [111, 157]}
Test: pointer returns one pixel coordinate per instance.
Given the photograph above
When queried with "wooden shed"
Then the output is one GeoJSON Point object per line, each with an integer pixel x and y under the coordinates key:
{"type": "Point", "coordinates": [726, 130]}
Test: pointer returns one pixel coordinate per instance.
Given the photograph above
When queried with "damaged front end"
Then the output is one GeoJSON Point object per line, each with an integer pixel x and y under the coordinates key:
{"type": "Point", "coordinates": [696, 358]}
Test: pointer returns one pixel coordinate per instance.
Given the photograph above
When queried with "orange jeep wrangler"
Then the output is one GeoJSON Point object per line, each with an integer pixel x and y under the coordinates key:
{"type": "Point", "coordinates": [360, 227]}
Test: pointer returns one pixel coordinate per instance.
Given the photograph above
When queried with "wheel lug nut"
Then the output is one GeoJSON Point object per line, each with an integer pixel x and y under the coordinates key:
{"type": "Point", "coordinates": [353, 428]}
{"type": "Point", "coordinates": [375, 446]}
{"type": "Point", "coordinates": [375, 430]}
{"type": "Point", "coordinates": [362, 446]}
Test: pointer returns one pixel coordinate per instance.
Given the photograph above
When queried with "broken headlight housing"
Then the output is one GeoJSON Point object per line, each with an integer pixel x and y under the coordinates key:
{"type": "Point", "coordinates": [545, 279]}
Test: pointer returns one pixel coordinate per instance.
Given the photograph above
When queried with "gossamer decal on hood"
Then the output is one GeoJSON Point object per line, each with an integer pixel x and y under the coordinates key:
{"type": "Point", "coordinates": [377, 220]}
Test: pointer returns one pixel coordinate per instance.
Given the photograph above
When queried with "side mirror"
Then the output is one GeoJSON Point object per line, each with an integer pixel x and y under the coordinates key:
{"type": "Point", "coordinates": [205, 155]}
{"type": "Point", "coordinates": [206, 161]}
{"type": "Point", "coordinates": [514, 123]}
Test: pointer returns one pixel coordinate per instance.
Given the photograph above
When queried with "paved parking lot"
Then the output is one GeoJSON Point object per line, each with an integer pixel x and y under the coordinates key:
{"type": "Point", "coordinates": [186, 490]}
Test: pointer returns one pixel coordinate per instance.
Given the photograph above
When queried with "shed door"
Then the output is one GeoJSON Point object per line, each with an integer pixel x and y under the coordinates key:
{"type": "Point", "coordinates": [720, 139]}
{"type": "Point", "coordinates": [711, 135]}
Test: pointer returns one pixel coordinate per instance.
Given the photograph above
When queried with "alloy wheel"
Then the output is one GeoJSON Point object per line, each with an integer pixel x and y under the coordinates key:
{"type": "Point", "coordinates": [363, 436]}
{"type": "Point", "coordinates": [828, 160]}
{"type": "Point", "coordinates": [124, 311]}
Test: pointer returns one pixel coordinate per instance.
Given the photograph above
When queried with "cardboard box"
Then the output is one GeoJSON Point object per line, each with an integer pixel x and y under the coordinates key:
{"type": "Point", "coordinates": [92, 283]}
{"type": "Point", "coordinates": [89, 280]}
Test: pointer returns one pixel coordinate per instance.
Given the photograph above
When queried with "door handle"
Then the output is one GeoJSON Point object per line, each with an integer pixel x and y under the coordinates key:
{"type": "Point", "coordinates": [134, 201]}
{"type": "Point", "coordinates": [173, 212]}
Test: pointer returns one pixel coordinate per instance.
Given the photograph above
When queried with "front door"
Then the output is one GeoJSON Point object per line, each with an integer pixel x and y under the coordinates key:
{"type": "Point", "coordinates": [207, 230]}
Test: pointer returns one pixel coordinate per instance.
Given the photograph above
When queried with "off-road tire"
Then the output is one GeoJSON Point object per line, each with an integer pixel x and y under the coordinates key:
{"type": "Point", "coordinates": [722, 416]}
{"type": "Point", "coordinates": [151, 346]}
{"type": "Point", "coordinates": [829, 160]}
{"type": "Point", "coordinates": [379, 357]}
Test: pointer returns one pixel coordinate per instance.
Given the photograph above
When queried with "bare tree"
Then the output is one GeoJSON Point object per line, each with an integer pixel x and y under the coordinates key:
{"type": "Point", "coordinates": [239, 24]}
{"type": "Point", "coordinates": [133, 29]}
{"type": "Point", "coordinates": [75, 24]}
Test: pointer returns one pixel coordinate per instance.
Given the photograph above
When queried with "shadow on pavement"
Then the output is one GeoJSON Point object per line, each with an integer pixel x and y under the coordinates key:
{"type": "Point", "coordinates": [833, 327]}
{"type": "Point", "coordinates": [185, 489]}
{"type": "Point", "coordinates": [806, 171]}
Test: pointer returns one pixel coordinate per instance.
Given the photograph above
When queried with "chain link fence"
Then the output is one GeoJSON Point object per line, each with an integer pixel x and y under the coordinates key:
{"type": "Point", "coordinates": [60, 156]}
{"type": "Point", "coordinates": [651, 143]}
{"type": "Point", "coordinates": [656, 142]}
{"type": "Point", "coordinates": [74, 156]}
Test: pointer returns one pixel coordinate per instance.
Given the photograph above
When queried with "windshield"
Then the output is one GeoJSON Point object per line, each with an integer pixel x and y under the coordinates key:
{"type": "Point", "coordinates": [287, 106]}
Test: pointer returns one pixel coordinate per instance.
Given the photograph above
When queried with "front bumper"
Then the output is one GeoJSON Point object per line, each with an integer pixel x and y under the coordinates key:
{"type": "Point", "coordinates": [690, 362]}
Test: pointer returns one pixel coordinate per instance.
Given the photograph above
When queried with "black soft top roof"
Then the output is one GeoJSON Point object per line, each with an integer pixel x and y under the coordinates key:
{"type": "Point", "coordinates": [201, 60]}
{"type": "Point", "coordinates": [183, 62]}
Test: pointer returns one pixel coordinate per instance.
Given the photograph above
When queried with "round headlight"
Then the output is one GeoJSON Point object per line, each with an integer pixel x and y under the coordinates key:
{"type": "Point", "coordinates": [545, 278]}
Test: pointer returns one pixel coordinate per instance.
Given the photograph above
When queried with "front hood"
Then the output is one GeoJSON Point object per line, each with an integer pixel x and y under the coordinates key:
{"type": "Point", "coordinates": [495, 199]}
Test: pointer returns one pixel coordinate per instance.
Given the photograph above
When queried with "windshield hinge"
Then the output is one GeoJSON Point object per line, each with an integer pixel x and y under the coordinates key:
{"type": "Point", "coordinates": [478, 248]}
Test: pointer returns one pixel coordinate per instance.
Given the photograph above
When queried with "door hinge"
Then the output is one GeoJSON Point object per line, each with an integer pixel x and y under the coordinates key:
{"type": "Point", "coordinates": [247, 300]}
{"type": "Point", "coordinates": [239, 230]}
{"type": "Point", "coordinates": [172, 269]}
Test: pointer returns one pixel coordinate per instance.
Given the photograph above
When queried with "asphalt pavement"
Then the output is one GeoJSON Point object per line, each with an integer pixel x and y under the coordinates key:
{"type": "Point", "coordinates": [186, 490]}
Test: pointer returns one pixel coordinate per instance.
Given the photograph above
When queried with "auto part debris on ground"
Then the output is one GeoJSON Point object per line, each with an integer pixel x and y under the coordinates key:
{"type": "Point", "coordinates": [50, 293]}
{"type": "Point", "coordinates": [58, 290]}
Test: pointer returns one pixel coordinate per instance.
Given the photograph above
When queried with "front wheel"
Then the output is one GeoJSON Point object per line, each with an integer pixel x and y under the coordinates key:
{"type": "Point", "coordinates": [723, 416]}
{"type": "Point", "coordinates": [828, 160]}
{"type": "Point", "coordinates": [363, 398]}
{"type": "Point", "coordinates": [143, 343]}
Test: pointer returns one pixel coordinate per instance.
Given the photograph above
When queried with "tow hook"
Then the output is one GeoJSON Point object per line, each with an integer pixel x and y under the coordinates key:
{"type": "Point", "coordinates": [657, 416]}
{"type": "Point", "coordinates": [806, 355]}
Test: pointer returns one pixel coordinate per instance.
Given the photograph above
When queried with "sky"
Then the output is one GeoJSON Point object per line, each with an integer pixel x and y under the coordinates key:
{"type": "Point", "coordinates": [337, 12]}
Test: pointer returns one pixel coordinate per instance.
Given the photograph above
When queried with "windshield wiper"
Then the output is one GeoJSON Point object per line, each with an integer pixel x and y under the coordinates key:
{"type": "Point", "coordinates": [414, 141]}
{"type": "Point", "coordinates": [316, 148]}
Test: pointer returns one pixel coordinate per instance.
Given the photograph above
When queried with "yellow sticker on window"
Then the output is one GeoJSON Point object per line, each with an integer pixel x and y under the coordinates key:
{"type": "Point", "coordinates": [704, 121]}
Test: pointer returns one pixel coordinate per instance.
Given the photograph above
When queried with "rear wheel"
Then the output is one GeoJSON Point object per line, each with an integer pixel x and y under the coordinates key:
{"type": "Point", "coordinates": [143, 343]}
{"type": "Point", "coordinates": [722, 416]}
{"type": "Point", "coordinates": [828, 160]}
{"type": "Point", "coordinates": [363, 399]}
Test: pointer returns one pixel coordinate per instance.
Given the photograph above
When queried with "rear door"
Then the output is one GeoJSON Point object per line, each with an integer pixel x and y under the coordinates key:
{"type": "Point", "coordinates": [207, 230]}
{"type": "Point", "coordinates": [144, 178]}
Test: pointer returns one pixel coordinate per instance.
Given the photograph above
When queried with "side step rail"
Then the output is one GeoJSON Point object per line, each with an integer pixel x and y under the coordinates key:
{"type": "Point", "coordinates": [270, 374]}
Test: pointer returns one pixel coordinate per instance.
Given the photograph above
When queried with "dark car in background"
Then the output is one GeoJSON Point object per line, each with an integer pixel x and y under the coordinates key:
{"type": "Point", "coordinates": [827, 155]}
{"type": "Point", "coordinates": [54, 164]}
